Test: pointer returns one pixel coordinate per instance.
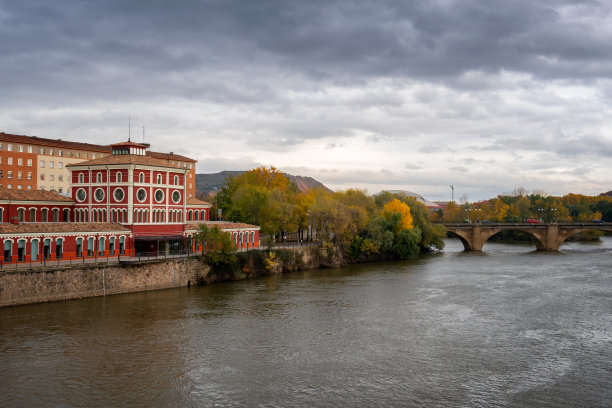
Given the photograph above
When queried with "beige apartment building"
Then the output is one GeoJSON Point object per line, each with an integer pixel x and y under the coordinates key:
{"type": "Point", "coordinates": [35, 163]}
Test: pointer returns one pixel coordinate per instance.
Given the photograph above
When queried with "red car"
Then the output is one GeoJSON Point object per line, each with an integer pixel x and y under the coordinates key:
{"type": "Point", "coordinates": [532, 221]}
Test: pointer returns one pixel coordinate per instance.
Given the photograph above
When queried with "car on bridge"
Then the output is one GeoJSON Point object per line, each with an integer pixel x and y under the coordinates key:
{"type": "Point", "coordinates": [486, 222]}
{"type": "Point", "coordinates": [598, 221]}
{"type": "Point", "coordinates": [532, 221]}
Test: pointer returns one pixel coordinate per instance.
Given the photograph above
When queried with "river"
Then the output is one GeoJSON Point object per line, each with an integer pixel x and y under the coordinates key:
{"type": "Point", "coordinates": [507, 328]}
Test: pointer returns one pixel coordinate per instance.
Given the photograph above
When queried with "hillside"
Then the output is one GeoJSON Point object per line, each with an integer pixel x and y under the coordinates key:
{"type": "Point", "coordinates": [212, 182]}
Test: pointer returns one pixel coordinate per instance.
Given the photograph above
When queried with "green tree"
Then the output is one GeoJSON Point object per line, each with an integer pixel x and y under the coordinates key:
{"type": "Point", "coordinates": [220, 248]}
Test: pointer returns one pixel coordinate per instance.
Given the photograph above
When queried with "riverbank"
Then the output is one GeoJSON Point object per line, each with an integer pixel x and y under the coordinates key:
{"type": "Point", "coordinates": [19, 287]}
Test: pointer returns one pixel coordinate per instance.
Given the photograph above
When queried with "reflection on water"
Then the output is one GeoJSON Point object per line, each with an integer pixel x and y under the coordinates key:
{"type": "Point", "coordinates": [509, 327]}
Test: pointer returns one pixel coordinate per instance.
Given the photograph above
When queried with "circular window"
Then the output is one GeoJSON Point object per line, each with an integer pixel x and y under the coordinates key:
{"type": "Point", "coordinates": [81, 194]}
{"type": "Point", "coordinates": [159, 196]}
{"type": "Point", "coordinates": [141, 195]}
{"type": "Point", "coordinates": [99, 194]}
{"type": "Point", "coordinates": [176, 197]}
{"type": "Point", "coordinates": [118, 194]}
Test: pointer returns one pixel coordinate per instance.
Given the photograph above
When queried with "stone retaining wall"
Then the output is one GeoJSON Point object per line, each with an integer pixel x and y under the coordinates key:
{"type": "Point", "coordinates": [74, 282]}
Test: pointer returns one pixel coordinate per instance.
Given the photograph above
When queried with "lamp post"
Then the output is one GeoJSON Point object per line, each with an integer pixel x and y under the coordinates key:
{"type": "Point", "coordinates": [540, 210]}
{"type": "Point", "coordinates": [554, 219]}
{"type": "Point", "coordinates": [478, 215]}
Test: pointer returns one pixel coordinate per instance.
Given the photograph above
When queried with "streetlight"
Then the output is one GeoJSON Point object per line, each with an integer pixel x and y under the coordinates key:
{"type": "Point", "coordinates": [540, 210]}
{"type": "Point", "coordinates": [478, 215]}
{"type": "Point", "coordinates": [554, 219]}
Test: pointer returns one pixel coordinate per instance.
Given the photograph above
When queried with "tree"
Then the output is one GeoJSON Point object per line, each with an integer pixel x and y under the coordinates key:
{"type": "Point", "coordinates": [220, 248]}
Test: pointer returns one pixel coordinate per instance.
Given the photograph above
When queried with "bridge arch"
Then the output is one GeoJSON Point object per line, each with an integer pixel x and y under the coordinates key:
{"type": "Point", "coordinates": [565, 234]}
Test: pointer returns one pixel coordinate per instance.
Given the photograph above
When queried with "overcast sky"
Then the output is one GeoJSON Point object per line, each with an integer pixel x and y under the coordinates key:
{"type": "Point", "coordinates": [417, 95]}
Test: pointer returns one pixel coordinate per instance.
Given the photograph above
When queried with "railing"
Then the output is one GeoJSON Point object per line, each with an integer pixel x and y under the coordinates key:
{"type": "Point", "coordinates": [138, 257]}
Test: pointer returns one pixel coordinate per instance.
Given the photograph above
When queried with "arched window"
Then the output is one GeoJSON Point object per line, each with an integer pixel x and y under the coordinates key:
{"type": "Point", "coordinates": [99, 177]}
{"type": "Point", "coordinates": [203, 215]}
{"type": "Point", "coordinates": [8, 245]}
{"type": "Point", "coordinates": [141, 178]}
{"type": "Point", "coordinates": [101, 246]}
{"type": "Point", "coordinates": [146, 216]}
{"type": "Point", "coordinates": [118, 177]}
{"type": "Point", "coordinates": [79, 247]}
{"type": "Point", "coordinates": [32, 215]}
{"type": "Point", "coordinates": [21, 214]}
{"type": "Point", "coordinates": [21, 250]}
{"type": "Point", "coordinates": [176, 180]}
{"type": "Point", "coordinates": [189, 215]}
{"type": "Point", "coordinates": [59, 248]}
{"type": "Point", "coordinates": [121, 245]}
{"type": "Point", "coordinates": [44, 217]}
{"type": "Point", "coordinates": [81, 178]}
{"type": "Point", "coordinates": [90, 246]}
{"type": "Point", "coordinates": [159, 179]}
{"type": "Point", "coordinates": [66, 215]}
{"type": "Point", "coordinates": [34, 250]}
{"type": "Point", "coordinates": [56, 215]}
{"type": "Point", "coordinates": [111, 246]}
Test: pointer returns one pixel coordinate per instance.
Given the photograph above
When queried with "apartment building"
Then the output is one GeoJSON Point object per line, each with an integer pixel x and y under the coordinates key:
{"type": "Point", "coordinates": [36, 163]}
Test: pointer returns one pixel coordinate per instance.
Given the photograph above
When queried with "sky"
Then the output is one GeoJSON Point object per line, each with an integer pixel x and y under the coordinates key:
{"type": "Point", "coordinates": [483, 95]}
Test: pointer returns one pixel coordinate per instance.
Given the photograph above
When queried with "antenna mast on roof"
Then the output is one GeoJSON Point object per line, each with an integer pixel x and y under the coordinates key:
{"type": "Point", "coordinates": [129, 128]}
{"type": "Point", "coordinates": [143, 133]}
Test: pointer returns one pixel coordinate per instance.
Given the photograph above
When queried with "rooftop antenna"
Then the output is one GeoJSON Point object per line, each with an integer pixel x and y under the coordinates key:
{"type": "Point", "coordinates": [129, 128]}
{"type": "Point", "coordinates": [452, 193]}
{"type": "Point", "coordinates": [143, 134]}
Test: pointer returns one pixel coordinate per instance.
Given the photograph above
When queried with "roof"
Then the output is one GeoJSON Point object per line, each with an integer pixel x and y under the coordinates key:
{"type": "Point", "coordinates": [169, 156]}
{"type": "Point", "coordinates": [195, 201]}
{"type": "Point", "coordinates": [33, 195]}
{"type": "Point", "coordinates": [127, 159]}
{"type": "Point", "coordinates": [60, 227]}
{"type": "Point", "coordinates": [85, 146]}
{"type": "Point", "coordinates": [129, 143]}
{"type": "Point", "coordinates": [224, 225]}
{"type": "Point", "coordinates": [53, 142]}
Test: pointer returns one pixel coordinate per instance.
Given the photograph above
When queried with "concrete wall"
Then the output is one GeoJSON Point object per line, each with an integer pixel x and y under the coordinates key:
{"type": "Point", "coordinates": [22, 287]}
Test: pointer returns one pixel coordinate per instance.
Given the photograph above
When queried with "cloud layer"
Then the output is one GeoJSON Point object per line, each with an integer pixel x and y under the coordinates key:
{"type": "Point", "coordinates": [484, 95]}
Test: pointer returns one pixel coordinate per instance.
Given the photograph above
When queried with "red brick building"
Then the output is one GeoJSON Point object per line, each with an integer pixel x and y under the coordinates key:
{"type": "Point", "coordinates": [127, 202]}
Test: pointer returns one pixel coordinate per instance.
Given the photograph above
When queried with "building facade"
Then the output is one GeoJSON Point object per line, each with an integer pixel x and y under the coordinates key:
{"type": "Point", "coordinates": [125, 202]}
{"type": "Point", "coordinates": [35, 163]}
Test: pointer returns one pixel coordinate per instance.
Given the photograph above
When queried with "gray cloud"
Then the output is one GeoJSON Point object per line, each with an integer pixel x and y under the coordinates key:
{"type": "Point", "coordinates": [515, 92]}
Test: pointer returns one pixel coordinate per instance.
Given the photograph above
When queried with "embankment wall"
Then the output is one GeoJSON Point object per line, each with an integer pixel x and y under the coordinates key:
{"type": "Point", "coordinates": [73, 282]}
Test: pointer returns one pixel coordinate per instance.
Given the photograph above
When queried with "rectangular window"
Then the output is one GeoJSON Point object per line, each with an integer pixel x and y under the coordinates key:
{"type": "Point", "coordinates": [42, 188]}
{"type": "Point", "coordinates": [19, 161]}
{"type": "Point", "coordinates": [29, 175]}
{"type": "Point", "coordinates": [60, 165]}
{"type": "Point", "coordinates": [60, 152]}
{"type": "Point", "coordinates": [20, 148]}
{"type": "Point", "coordinates": [10, 174]}
{"type": "Point", "coordinates": [9, 161]}
{"type": "Point", "coordinates": [42, 176]}
{"type": "Point", "coordinates": [9, 186]}
{"type": "Point", "coordinates": [51, 152]}
{"type": "Point", "coordinates": [50, 164]}
{"type": "Point", "coordinates": [29, 149]}
{"type": "Point", "coordinates": [42, 150]}
{"type": "Point", "coordinates": [60, 177]}
{"type": "Point", "coordinates": [60, 190]}
{"type": "Point", "coordinates": [93, 156]}
{"type": "Point", "coordinates": [20, 175]}
{"type": "Point", "coordinates": [51, 177]}
{"type": "Point", "coordinates": [42, 163]}
{"type": "Point", "coordinates": [18, 186]}
{"type": "Point", "coordinates": [9, 147]}
{"type": "Point", "coordinates": [29, 187]}
{"type": "Point", "coordinates": [29, 162]}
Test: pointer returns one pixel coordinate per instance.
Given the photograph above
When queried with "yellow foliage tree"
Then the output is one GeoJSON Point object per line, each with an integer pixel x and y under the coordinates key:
{"type": "Point", "coordinates": [396, 206]}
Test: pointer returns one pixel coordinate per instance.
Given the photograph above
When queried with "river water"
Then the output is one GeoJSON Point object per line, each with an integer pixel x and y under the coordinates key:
{"type": "Point", "coordinates": [506, 328]}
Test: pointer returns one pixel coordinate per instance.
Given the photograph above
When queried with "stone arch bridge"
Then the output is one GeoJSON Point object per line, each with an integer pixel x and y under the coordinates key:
{"type": "Point", "coordinates": [548, 236]}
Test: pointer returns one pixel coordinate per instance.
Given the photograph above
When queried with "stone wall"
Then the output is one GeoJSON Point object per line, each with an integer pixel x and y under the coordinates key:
{"type": "Point", "coordinates": [20, 287]}
{"type": "Point", "coordinates": [74, 282]}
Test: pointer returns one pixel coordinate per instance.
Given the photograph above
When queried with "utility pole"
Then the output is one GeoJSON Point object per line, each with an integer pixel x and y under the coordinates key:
{"type": "Point", "coordinates": [452, 193]}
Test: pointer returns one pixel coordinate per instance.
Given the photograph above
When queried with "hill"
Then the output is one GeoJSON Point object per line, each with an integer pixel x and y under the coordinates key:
{"type": "Point", "coordinates": [212, 182]}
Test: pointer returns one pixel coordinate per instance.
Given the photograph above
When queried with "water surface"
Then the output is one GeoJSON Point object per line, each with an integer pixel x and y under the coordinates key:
{"type": "Point", "coordinates": [507, 328]}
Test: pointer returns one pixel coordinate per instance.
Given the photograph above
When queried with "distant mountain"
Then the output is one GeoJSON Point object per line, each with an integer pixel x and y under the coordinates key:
{"type": "Point", "coordinates": [609, 193]}
{"type": "Point", "coordinates": [212, 182]}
